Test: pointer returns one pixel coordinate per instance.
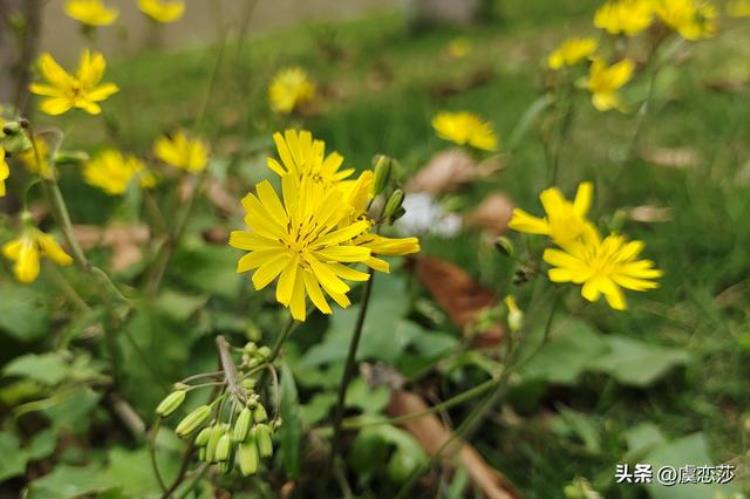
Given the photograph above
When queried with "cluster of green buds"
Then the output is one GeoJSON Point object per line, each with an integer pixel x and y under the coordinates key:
{"type": "Point", "coordinates": [383, 167]}
{"type": "Point", "coordinates": [233, 429]}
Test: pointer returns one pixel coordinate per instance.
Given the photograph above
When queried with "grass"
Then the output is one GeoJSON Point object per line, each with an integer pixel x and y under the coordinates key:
{"type": "Point", "coordinates": [379, 97]}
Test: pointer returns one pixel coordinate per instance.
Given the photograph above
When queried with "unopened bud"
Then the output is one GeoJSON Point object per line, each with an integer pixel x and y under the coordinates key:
{"type": "Point", "coordinates": [224, 467]}
{"type": "Point", "coordinates": [248, 384]}
{"type": "Point", "coordinates": [202, 439]}
{"type": "Point", "coordinates": [515, 316]}
{"type": "Point", "coordinates": [223, 447]}
{"type": "Point", "coordinates": [250, 348]}
{"type": "Point", "coordinates": [242, 425]}
{"type": "Point", "coordinates": [11, 128]}
{"type": "Point", "coordinates": [505, 246]}
{"type": "Point", "coordinates": [393, 205]}
{"type": "Point", "coordinates": [17, 143]}
{"type": "Point", "coordinates": [248, 457]}
{"type": "Point", "coordinates": [171, 403]}
{"type": "Point", "coordinates": [260, 415]}
{"type": "Point", "coordinates": [383, 167]}
{"type": "Point", "coordinates": [263, 439]}
{"type": "Point", "coordinates": [217, 431]}
{"type": "Point", "coordinates": [264, 352]}
{"type": "Point", "coordinates": [192, 421]}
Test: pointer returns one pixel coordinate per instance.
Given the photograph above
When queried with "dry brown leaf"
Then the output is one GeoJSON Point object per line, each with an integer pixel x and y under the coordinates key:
{"type": "Point", "coordinates": [462, 298]}
{"type": "Point", "coordinates": [650, 214]}
{"type": "Point", "coordinates": [124, 241]}
{"type": "Point", "coordinates": [446, 172]}
{"type": "Point", "coordinates": [492, 214]}
{"type": "Point", "coordinates": [672, 157]}
{"type": "Point", "coordinates": [432, 435]}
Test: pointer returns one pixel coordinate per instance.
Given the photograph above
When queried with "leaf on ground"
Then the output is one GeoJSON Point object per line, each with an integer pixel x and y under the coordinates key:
{"type": "Point", "coordinates": [290, 433]}
{"type": "Point", "coordinates": [462, 298]}
{"type": "Point", "coordinates": [446, 172]}
{"type": "Point", "coordinates": [493, 214]}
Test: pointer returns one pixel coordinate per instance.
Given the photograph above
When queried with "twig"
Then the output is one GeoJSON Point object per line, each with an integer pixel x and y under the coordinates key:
{"type": "Point", "coordinates": [230, 369]}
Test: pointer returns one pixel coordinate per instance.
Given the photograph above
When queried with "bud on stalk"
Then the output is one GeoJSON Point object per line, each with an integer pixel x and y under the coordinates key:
{"type": "Point", "coordinates": [383, 167]}
{"type": "Point", "coordinates": [171, 403]}
{"type": "Point", "coordinates": [247, 457]}
{"type": "Point", "coordinates": [242, 425]}
{"type": "Point", "coordinates": [192, 421]}
{"type": "Point", "coordinates": [263, 437]}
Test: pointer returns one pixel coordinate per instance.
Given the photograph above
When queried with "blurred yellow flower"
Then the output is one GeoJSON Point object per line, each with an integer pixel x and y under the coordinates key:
{"type": "Point", "coordinates": [27, 250]}
{"type": "Point", "coordinates": [289, 89]}
{"type": "Point", "coordinates": [4, 171]}
{"type": "Point", "coordinates": [112, 172]}
{"type": "Point", "coordinates": [459, 47]}
{"type": "Point", "coordinates": [303, 156]}
{"type": "Point", "coordinates": [565, 221]}
{"type": "Point", "coordinates": [738, 8]}
{"type": "Point", "coordinates": [91, 12]}
{"type": "Point", "coordinates": [692, 19]}
{"type": "Point", "coordinates": [465, 128]}
{"type": "Point", "coordinates": [628, 17]}
{"type": "Point", "coordinates": [36, 159]}
{"type": "Point", "coordinates": [571, 52]}
{"type": "Point", "coordinates": [64, 91]}
{"type": "Point", "coordinates": [604, 81]}
{"type": "Point", "coordinates": [300, 242]}
{"type": "Point", "coordinates": [602, 267]}
{"type": "Point", "coordinates": [182, 151]}
{"type": "Point", "coordinates": [163, 11]}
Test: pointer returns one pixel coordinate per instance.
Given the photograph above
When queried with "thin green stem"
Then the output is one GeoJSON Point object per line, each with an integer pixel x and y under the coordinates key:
{"type": "Point", "coordinates": [152, 452]}
{"type": "Point", "coordinates": [280, 340]}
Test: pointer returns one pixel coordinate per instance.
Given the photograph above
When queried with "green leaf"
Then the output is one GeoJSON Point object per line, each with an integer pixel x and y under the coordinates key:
{"type": "Point", "coordinates": [42, 445]}
{"type": "Point", "coordinates": [636, 363]}
{"type": "Point", "coordinates": [370, 400]}
{"type": "Point", "coordinates": [132, 473]}
{"type": "Point", "coordinates": [23, 312]}
{"type": "Point", "coordinates": [641, 440]}
{"type": "Point", "coordinates": [12, 459]}
{"type": "Point", "coordinates": [67, 482]}
{"type": "Point", "coordinates": [210, 269]}
{"type": "Point", "coordinates": [317, 408]}
{"type": "Point", "coordinates": [48, 368]}
{"type": "Point", "coordinates": [290, 432]}
{"type": "Point", "coordinates": [179, 306]}
{"type": "Point", "coordinates": [576, 423]}
{"type": "Point", "coordinates": [73, 410]}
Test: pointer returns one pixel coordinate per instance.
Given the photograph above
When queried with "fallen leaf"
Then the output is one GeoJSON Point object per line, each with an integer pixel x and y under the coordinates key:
{"type": "Point", "coordinates": [462, 298]}
{"type": "Point", "coordinates": [492, 214]}
{"type": "Point", "coordinates": [124, 241]}
{"type": "Point", "coordinates": [446, 172]}
{"type": "Point", "coordinates": [432, 436]}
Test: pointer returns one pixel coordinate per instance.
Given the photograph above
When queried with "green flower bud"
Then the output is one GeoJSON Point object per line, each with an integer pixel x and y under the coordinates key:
{"type": "Point", "coordinates": [505, 246]}
{"type": "Point", "coordinates": [264, 352]}
{"type": "Point", "coordinates": [394, 204]}
{"type": "Point", "coordinates": [223, 447]}
{"type": "Point", "coordinates": [260, 415]}
{"type": "Point", "coordinates": [242, 425]}
{"type": "Point", "coordinates": [202, 454]}
{"type": "Point", "coordinates": [248, 384]}
{"type": "Point", "coordinates": [202, 439]}
{"type": "Point", "coordinates": [12, 128]}
{"type": "Point", "coordinates": [248, 457]}
{"type": "Point", "coordinates": [224, 467]}
{"type": "Point", "coordinates": [250, 348]}
{"type": "Point", "coordinates": [263, 438]}
{"type": "Point", "coordinates": [383, 167]}
{"type": "Point", "coordinates": [192, 421]}
{"type": "Point", "coordinates": [16, 144]}
{"type": "Point", "coordinates": [217, 431]}
{"type": "Point", "coordinates": [171, 403]}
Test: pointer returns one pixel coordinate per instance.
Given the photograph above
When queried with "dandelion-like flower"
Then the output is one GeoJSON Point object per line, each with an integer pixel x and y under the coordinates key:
{"type": "Point", "coordinates": [303, 156]}
{"type": "Point", "coordinates": [692, 19]}
{"type": "Point", "coordinates": [162, 11]}
{"type": "Point", "coordinates": [27, 250]}
{"type": "Point", "coordinates": [289, 89]}
{"type": "Point", "coordinates": [603, 267]}
{"type": "Point", "coordinates": [91, 12]}
{"type": "Point", "coordinates": [465, 128]}
{"type": "Point", "coordinates": [182, 151]}
{"type": "Point", "coordinates": [604, 81]}
{"type": "Point", "coordinates": [628, 17]}
{"type": "Point", "coordinates": [112, 172]}
{"type": "Point", "coordinates": [4, 171]}
{"type": "Point", "coordinates": [82, 90]}
{"type": "Point", "coordinates": [300, 242]}
{"type": "Point", "coordinates": [36, 158]}
{"type": "Point", "coordinates": [565, 221]}
{"type": "Point", "coordinates": [571, 52]}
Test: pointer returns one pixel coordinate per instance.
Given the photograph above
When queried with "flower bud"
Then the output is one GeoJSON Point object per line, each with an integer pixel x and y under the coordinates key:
{"type": "Point", "coordinates": [260, 415]}
{"type": "Point", "coordinates": [394, 204]}
{"type": "Point", "coordinates": [217, 431]}
{"type": "Point", "coordinates": [264, 352]}
{"type": "Point", "coordinates": [250, 348]}
{"type": "Point", "coordinates": [505, 246]}
{"type": "Point", "coordinates": [242, 425]}
{"type": "Point", "coordinates": [16, 144]}
{"type": "Point", "coordinates": [223, 447]}
{"type": "Point", "coordinates": [171, 403]}
{"type": "Point", "coordinates": [247, 457]}
{"type": "Point", "coordinates": [202, 454]}
{"type": "Point", "coordinates": [248, 384]}
{"type": "Point", "coordinates": [515, 316]}
{"type": "Point", "coordinates": [193, 420]}
{"type": "Point", "coordinates": [202, 439]}
{"type": "Point", "coordinates": [383, 167]}
{"type": "Point", "coordinates": [263, 439]}
{"type": "Point", "coordinates": [11, 128]}
{"type": "Point", "coordinates": [224, 467]}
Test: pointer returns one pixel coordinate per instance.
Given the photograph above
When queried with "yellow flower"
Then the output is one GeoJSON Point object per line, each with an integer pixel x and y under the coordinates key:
{"type": "Point", "coordinates": [27, 250]}
{"type": "Point", "coordinates": [300, 242]}
{"type": "Point", "coordinates": [91, 12]}
{"type": "Point", "coordinates": [465, 128]}
{"type": "Point", "coordinates": [64, 91]}
{"type": "Point", "coordinates": [289, 89]}
{"type": "Point", "coordinates": [604, 81]}
{"type": "Point", "coordinates": [36, 159]}
{"type": "Point", "coordinates": [692, 19]}
{"type": "Point", "coordinates": [112, 172]}
{"type": "Point", "coordinates": [302, 156]}
{"type": "Point", "coordinates": [571, 52]}
{"type": "Point", "coordinates": [603, 267]}
{"type": "Point", "coordinates": [628, 17]}
{"type": "Point", "coordinates": [182, 151]}
{"type": "Point", "coordinates": [163, 11]}
{"type": "Point", "coordinates": [459, 47]}
{"type": "Point", "coordinates": [565, 221]}
{"type": "Point", "coordinates": [4, 171]}
{"type": "Point", "coordinates": [738, 8]}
